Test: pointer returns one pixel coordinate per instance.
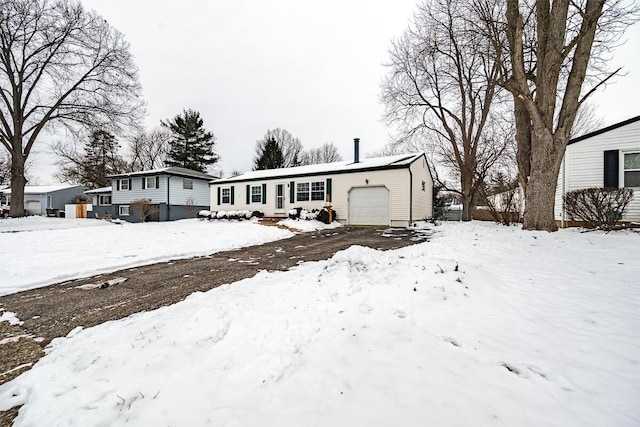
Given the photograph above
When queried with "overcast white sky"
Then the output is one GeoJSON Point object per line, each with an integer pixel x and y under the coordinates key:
{"type": "Point", "coordinates": [313, 68]}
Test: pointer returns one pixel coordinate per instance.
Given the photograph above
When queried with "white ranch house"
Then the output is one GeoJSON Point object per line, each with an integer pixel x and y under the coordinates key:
{"type": "Point", "coordinates": [391, 191]}
{"type": "Point", "coordinates": [609, 157]}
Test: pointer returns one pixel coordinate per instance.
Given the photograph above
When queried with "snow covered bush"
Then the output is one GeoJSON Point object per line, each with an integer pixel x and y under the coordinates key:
{"type": "Point", "coordinates": [236, 215]}
{"type": "Point", "coordinates": [321, 215]}
{"type": "Point", "coordinates": [599, 208]}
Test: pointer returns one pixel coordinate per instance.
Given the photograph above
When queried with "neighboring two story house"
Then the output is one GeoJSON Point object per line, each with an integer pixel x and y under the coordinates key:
{"type": "Point", "coordinates": [178, 193]}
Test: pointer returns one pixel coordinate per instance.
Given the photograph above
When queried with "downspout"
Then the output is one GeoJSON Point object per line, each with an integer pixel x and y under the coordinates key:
{"type": "Point", "coordinates": [410, 196]}
{"type": "Point", "coordinates": [564, 186]}
{"type": "Point", "coordinates": [168, 198]}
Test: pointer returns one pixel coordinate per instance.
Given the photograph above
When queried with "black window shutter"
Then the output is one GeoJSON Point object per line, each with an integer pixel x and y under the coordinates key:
{"type": "Point", "coordinates": [117, 184]}
{"type": "Point", "coordinates": [232, 195]}
{"type": "Point", "coordinates": [129, 183]}
{"type": "Point", "coordinates": [144, 182]}
{"type": "Point", "coordinates": [329, 190]}
{"type": "Point", "coordinates": [248, 194]}
{"type": "Point", "coordinates": [292, 192]}
{"type": "Point", "coordinates": [264, 194]}
{"type": "Point", "coordinates": [157, 182]}
{"type": "Point", "coordinates": [218, 195]}
{"type": "Point", "coordinates": [611, 165]}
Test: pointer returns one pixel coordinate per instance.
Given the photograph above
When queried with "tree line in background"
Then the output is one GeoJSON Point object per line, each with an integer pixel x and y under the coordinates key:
{"type": "Point", "coordinates": [182, 141]}
{"type": "Point", "coordinates": [279, 149]}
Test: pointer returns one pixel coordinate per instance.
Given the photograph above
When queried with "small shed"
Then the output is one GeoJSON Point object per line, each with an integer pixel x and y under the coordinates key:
{"type": "Point", "coordinates": [39, 198]}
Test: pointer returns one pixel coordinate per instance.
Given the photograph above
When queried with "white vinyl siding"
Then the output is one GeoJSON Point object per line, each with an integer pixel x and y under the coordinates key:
{"type": "Point", "coordinates": [422, 198]}
{"type": "Point", "coordinates": [397, 181]}
{"type": "Point", "coordinates": [583, 165]}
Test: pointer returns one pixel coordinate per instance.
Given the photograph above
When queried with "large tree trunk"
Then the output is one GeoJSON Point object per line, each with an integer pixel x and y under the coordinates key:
{"type": "Point", "coordinates": [546, 157]}
{"type": "Point", "coordinates": [467, 197]}
{"type": "Point", "coordinates": [18, 182]}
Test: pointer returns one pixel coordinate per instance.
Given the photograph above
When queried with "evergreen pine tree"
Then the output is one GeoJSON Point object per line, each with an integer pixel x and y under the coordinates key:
{"type": "Point", "coordinates": [90, 167]}
{"type": "Point", "coordinates": [191, 144]}
{"type": "Point", "coordinates": [269, 155]}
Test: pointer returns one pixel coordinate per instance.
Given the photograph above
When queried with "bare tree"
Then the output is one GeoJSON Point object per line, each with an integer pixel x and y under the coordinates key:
{"type": "Point", "coordinates": [59, 65]}
{"type": "Point", "coordinates": [149, 150]}
{"type": "Point", "coordinates": [145, 208]}
{"type": "Point", "coordinates": [441, 92]}
{"type": "Point", "coordinates": [290, 146]}
{"type": "Point", "coordinates": [326, 153]}
{"type": "Point", "coordinates": [552, 49]}
{"type": "Point", "coordinates": [587, 120]}
{"type": "Point", "coordinates": [91, 164]}
{"type": "Point", "coordinates": [5, 167]}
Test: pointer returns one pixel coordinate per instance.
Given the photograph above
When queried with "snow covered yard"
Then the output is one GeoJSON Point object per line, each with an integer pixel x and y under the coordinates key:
{"type": "Point", "coordinates": [38, 251]}
{"type": "Point", "coordinates": [483, 325]}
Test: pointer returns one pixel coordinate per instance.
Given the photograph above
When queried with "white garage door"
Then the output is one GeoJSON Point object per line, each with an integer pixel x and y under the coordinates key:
{"type": "Point", "coordinates": [369, 206]}
{"type": "Point", "coordinates": [33, 207]}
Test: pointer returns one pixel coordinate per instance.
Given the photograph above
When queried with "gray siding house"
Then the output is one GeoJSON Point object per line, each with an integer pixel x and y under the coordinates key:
{"type": "Point", "coordinates": [39, 198]}
{"type": "Point", "coordinates": [178, 193]}
{"type": "Point", "coordinates": [101, 202]}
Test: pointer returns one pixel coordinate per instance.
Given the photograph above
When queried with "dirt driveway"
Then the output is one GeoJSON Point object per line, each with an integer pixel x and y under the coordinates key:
{"type": "Point", "coordinates": [55, 310]}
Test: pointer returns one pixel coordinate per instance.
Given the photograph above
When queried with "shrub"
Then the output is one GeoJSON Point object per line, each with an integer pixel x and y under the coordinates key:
{"type": "Point", "coordinates": [234, 215]}
{"type": "Point", "coordinates": [321, 215]}
{"type": "Point", "coordinates": [598, 208]}
{"type": "Point", "coordinates": [144, 208]}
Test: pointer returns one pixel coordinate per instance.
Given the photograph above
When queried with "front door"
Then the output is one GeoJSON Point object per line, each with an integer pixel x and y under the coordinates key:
{"type": "Point", "coordinates": [280, 198]}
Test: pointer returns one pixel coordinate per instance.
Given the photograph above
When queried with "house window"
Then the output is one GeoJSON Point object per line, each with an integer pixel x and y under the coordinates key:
{"type": "Point", "coordinates": [632, 170]}
{"type": "Point", "coordinates": [124, 210]}
{"type": "Point", "coordinates": [317, 190]}
{"type": "Point", "coordinates": [124, 184]}
{"type": "Point", "coordinates": [424, 186]}
{"type": "Point", "coordinates": [187, 184]}
{"type": "Point", "coordinates": [104, 200]}
{"type": "Point", "coordinates": [306, 191]}
{"type": "Point", "coordinates": [150, 182]}
{"type": "Point", "coordinates": [226, 195]}
{"type": "Point", "coordinates": [302, 193]}
{"type": "Point", "coordinates": [256, 194]}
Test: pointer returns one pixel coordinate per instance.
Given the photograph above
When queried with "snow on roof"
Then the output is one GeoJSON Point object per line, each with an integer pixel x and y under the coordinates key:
{"type": "Point", "coordinates": [42, 189]}
{"type": "Point", "coordinates": [168, 171]}
{"type": "Point", "coordinates": [374, 163]}
{"type": "Point", "coordinates": [99, 190]}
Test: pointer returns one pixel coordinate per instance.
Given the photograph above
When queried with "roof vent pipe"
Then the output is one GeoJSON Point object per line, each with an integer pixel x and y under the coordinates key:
{"type": "Point", "coordinates": [356, 150]}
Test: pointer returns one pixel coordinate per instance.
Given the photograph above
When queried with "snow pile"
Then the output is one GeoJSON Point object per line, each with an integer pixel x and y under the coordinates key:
{"type": "Point", "coordinates": [483, 325]}
{"type": "Point", "coordinates": [92, 247]}
{"type": "Point", "coordinates": [9, 316]}
{"type": "Point", "coordinates": [308, 225]}
{"type": "Point", "coordinates": [38, 223]}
